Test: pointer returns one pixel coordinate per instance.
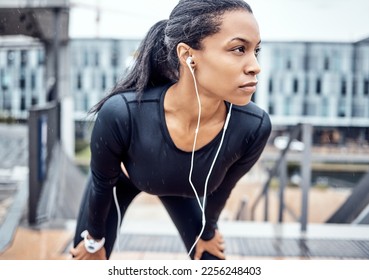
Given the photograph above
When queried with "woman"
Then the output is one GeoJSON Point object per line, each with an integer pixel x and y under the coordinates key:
{"type": "Point", "coordinates": [180, 126]}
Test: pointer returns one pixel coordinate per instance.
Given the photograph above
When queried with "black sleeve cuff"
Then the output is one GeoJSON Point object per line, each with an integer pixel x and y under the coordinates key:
{"type": "Point", "coordinates": [209, 232]}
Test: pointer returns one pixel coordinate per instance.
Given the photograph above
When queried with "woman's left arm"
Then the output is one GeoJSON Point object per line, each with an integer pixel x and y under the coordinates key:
{"type": "Point", "coordinates": [217, 200]}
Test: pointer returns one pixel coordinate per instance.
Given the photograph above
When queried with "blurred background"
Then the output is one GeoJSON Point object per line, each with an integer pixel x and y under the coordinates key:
{"type": "Point", "coordinates": [308, 195]}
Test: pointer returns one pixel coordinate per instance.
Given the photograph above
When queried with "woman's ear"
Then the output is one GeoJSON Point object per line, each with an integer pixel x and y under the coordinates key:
{"type": "Point", "coordinates": [184, 51]}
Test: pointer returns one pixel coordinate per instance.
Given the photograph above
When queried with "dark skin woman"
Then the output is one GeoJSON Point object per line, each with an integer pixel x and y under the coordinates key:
{"type": "Point", "coordinates": [181, 126]}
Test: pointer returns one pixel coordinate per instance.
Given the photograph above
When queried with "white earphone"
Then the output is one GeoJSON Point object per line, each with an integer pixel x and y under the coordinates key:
{"type": "Point", "coordinates": [202, 205]}
{"type": "Point", "coordinates": [189, 62]}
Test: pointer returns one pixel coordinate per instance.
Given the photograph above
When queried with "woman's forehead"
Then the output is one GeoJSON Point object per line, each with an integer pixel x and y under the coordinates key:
{"type": "Point", "coordinates": [239, 24]}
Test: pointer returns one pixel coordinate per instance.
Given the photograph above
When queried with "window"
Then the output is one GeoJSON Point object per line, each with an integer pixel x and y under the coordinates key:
{"type": "Point", "coordinates": [33, 81]}
{"type": "Point", "coordinates": [85, 58]}
{"type": "Point", "coordinates": [114, 58]}
{"type": "Point", "coordinates": [295, 85]}
{"type": "Point", "coordinates": [79, 81]}
{"type": "Point", "coordinates": [343, 87]}
{"type": "Point", "coordinates": [270, 85]}
{"type": "Point", "coordinates": [10, 58]}
{"type": "Point", "coordinates": [97, 58]}
{"type": "Point", "coordinates": [354, 87]}
{"type": "Point", "coordinates": [24, 58]}
{"type": "Point", "coordinates": [306, 62]}
{"type": "Point", "coordinates": [114, 54]}
{"type": "Point", "coordinates": [289, 64]}
{"type": "Point", "coordinates": [326, 63]}
{"type": "Point", "coordinates": [325, 107]}
{"type": "Point", "coordinates": [271, 109]}
{"type": "Point", "coordinates": [318, 88]}
{"type": "Point", "coordinates": [23, 103]}
{"type": "Point", "coordinates": [41, 57]}
{"type": "Point", "coordinates": [366, 86]}
{"type": "Point", "coordinates": [22, 81]}
{"type": "Point", "coordinates": [4, 80]}
{"type": "Point", "coordinates": [34, 100]}
{"type": "Point", "coordinates": [103, 82]}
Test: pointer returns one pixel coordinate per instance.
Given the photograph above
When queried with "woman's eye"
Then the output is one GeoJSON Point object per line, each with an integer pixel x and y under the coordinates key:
{"type": "Point", "coordinates": [240, 49]}
{"type": "Point", "coordinates": [257, 52]}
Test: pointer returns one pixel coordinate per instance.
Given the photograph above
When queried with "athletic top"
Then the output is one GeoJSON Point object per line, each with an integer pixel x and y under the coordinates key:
{"type": "Point", "coordinates": [135, 133]}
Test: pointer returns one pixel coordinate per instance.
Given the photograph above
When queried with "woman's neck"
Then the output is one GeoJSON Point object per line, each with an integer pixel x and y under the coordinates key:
{"type": "Point", "coordinates": [181, 100]}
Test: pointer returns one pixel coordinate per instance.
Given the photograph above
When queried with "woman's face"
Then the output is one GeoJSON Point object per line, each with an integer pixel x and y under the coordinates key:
{"type": "Point", "coordinates": [226, 66]}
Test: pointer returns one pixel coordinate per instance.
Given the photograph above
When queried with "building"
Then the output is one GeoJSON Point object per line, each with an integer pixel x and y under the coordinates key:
{"type": "Point", "coordinates": [325, 84]}
{"type": "Point", "coordinates": [96, 65]}
{"type": "Point", "coordinates": [22, 75]}
{"type": "Point", "coordinates": [322, 83]}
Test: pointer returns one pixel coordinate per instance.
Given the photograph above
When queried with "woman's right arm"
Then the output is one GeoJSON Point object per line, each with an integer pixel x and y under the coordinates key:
{"type": "Point", "coordinates": [109, 141]}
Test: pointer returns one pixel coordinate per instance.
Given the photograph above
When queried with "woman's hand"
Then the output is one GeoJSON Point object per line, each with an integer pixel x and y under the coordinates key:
{"type": "Point", "coordinates": [214, 246]}
{"type": "Point", "coordinates": [80, 253]}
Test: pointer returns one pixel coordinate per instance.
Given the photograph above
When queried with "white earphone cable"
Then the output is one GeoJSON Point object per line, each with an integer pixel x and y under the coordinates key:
{"type": "Point", "coordinates": [119, 216]}
{"type": "Point", "coordinates": [202, 206]}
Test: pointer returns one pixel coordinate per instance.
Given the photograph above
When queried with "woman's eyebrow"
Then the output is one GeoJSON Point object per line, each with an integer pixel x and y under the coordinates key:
{"type": "Point", "coordinates": [243, 40]}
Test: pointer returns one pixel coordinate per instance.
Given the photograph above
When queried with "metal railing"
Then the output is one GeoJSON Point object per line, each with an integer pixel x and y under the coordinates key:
{"type": "Point", "coordinates": [280, 169]}
{"type": "Point", "coordinates": [43, 134]}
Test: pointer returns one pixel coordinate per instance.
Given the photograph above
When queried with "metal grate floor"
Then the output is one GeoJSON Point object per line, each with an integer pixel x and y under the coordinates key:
{"type": "Point", "coordinates": [256, 247]}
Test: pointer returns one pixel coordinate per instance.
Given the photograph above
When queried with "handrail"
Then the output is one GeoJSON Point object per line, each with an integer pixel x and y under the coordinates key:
{"type": "Point", "coordinates": [273, 172]}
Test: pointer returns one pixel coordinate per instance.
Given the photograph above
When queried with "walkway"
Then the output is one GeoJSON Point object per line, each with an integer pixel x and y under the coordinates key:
{"type": "Point", "coordinates": [156, 237]}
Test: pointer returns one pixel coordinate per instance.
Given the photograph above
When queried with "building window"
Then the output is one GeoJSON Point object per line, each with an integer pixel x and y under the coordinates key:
{"type": "Point", "coordinates": [24, 58]}
{"type": "Point", "coordinates": [325, 107]}
{"type": "Point", "coordinates": [270, 86]}
{"type": "Point", "coordinates": [10, 58]}
{"type": "Point", "coordinates": [4, 80]}
{"type": "Point", "coordinates": [85, 103]}
{"type": "Point", "coordinates": [306, 63]}
{"type": "Point", "coordinates": [34, 100]}
{"type": "Point", "coordinates": [114, 54]}
{"type": "Point", "coordinates": [343, 87]}
{"type": "Point", "coordinates": [271, 109]}
{"type": "Point", "coordinates": [103, 82]}
{"type": "Point", "coordinates": [306, 86]}
{"type": "Point", "coordinates": [305, 108]}
{"type": "Point", "coordinates": [22, 81]}
{"type": "Point", "coordinates": [85, 58]}
{"type": "Point", "coordinates": [97, 58]}
{"type": "Point", "coordinates": [366, 87]}
{"type": "Point", "coordinates": [318, 88]}
{"type": "Point", "coordinates": [342, 110]}
{"type": "Point", "coordinates": [289, 64]}
{"type": "Point", "coordinates": [40, 57]}
{"type": "Point", "coordinates": [23, 103]}
{"type": "Point", "coordinates": [295, 85]}
{"type": "Point", "coordinates": [114, 58]}
{"type": "Point", "coordinates": [287, 106]}
{"type": "Point", "coordinates": [79, 81]}
{"type": "Point", "coordinates": [354, 87]}
{"type": "Point", "coordinates": [326, 63]}
{"type": "Point", "coordinates": [33, 81]}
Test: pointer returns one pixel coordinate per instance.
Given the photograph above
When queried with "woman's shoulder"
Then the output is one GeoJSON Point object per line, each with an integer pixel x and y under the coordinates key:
{"type": "Point", "coordinates": [131, 96]}
{"type": "Point", "coordinates": [251, 109]}
{"type": "Point", "coordinates": [251, 116]}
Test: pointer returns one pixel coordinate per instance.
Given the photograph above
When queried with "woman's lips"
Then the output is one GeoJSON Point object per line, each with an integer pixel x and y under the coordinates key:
{"type": "Point", "coordinates": [249, 87]}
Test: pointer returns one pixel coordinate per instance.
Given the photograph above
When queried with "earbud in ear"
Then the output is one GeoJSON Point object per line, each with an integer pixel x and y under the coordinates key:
{"type": "Point", "coordinates": [189, 61]}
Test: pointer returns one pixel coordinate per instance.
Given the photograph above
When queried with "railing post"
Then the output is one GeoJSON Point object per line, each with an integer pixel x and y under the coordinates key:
{"type": "Point", "coordinates": [43, 127]}
{"type": "Point", "coordinates": [282, 186]}
{"type": "Point", "coordinates": [306, 173]}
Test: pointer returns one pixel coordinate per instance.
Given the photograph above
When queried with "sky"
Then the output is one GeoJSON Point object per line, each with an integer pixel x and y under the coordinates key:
{"type": "Point", "coordinates": [279, 20]}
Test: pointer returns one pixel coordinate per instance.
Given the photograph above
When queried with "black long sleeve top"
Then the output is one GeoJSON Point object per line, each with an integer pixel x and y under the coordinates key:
{"type": "Point", "coordinates": [135, 133]}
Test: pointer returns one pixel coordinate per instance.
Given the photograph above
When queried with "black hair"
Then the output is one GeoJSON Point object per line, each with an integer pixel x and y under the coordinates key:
{"type": "Point", "coordinates": [157, 62]}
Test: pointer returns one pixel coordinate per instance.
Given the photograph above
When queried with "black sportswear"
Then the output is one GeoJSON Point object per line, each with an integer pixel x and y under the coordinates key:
{"type": "Point", "coordinates": [135, 133]}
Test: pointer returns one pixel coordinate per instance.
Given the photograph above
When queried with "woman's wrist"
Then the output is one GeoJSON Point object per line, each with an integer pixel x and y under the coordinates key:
{"type": "Point", "coordinates": [92, 245]}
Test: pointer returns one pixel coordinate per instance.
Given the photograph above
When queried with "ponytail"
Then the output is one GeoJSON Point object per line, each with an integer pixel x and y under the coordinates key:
{"type": "Point", "coordinates": [157, 62]}
{"type": "Point", "coordinates": [150, 68]}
